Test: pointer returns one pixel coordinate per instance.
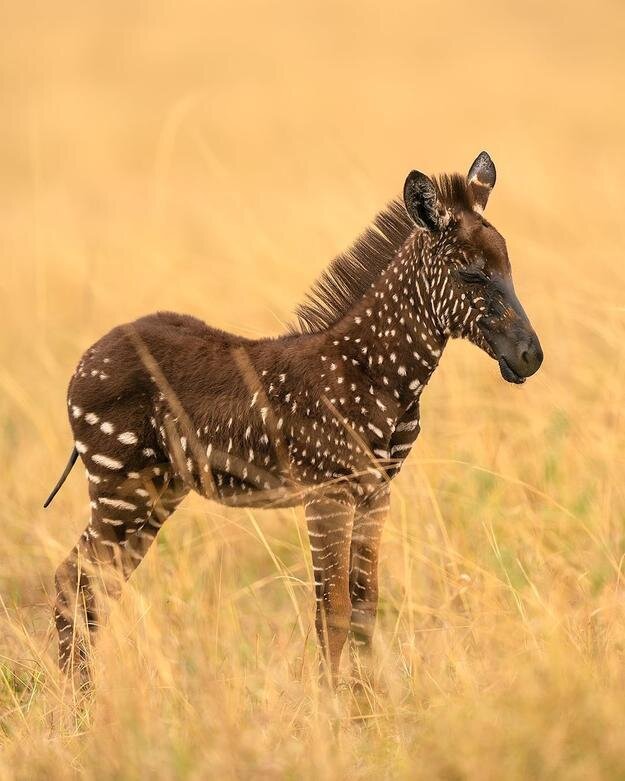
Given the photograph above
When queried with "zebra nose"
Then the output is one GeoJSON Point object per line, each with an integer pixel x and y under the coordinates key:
{"type": "Point", "coordinates": [532, 357]}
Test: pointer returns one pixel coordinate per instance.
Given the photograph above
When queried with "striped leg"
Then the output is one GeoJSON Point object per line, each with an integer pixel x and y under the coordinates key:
{"type": "Point", "coordinates": [363, 577]}
{"type": "Point", "coordinates": [126, 516]}
{"type": "Point", "coordinates": [330, 520]}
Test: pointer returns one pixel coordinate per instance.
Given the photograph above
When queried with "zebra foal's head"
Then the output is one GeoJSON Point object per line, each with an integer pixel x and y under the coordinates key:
{"type": "Point", "coordinates": [468, 270]}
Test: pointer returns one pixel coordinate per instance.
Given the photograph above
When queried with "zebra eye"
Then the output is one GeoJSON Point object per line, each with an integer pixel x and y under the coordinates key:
{"type": "Point", "coordinates": [473, 276]}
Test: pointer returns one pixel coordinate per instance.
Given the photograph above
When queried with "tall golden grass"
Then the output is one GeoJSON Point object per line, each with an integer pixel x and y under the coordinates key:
{"type": "Point", "coordinates": [211, 158]}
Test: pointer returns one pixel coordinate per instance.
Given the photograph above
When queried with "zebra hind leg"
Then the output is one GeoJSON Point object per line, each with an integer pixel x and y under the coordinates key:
{"type": "Point", "coordinates": [125, 519]}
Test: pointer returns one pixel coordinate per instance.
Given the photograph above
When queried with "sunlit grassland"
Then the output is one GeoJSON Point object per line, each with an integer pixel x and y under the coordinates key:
{"type": "Point", "coordinates": [212, 159]}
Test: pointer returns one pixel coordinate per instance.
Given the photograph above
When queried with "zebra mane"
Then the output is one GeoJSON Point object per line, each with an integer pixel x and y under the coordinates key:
{"type": "Point", "coordinates": [350, 275]}
{"type": "Point", "coordinates": [454, 192]}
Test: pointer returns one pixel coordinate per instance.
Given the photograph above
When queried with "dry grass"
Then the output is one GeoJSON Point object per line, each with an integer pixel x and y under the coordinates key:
{"type": "Point", "coordinates": [212, 159]}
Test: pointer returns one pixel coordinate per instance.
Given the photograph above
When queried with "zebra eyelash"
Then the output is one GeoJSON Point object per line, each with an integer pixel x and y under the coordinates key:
{"type": "Point", "coordinates": [473, 276]}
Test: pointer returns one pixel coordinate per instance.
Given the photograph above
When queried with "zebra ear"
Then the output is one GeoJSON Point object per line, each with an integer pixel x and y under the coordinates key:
{"type": "Point", "coordinates": [422, 202]}
{"type": "Point", "coordinates": [481, 178]}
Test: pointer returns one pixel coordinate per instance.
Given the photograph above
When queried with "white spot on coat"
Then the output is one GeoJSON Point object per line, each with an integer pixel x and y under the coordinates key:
{"type": "Point", "coordinates": [109, 463]}
{"type": "Point", "coordinates": [119, 503]}
{"type": "Point", "coordinates": [130, 438]}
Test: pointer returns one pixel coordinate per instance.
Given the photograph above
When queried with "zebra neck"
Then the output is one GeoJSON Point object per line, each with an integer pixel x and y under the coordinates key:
{"type": "Point", "coordinates": [394, 332]}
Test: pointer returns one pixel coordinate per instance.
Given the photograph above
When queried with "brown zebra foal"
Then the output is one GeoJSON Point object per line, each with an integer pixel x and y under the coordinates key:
{"type": "Point", "coordinates": [323, 416]}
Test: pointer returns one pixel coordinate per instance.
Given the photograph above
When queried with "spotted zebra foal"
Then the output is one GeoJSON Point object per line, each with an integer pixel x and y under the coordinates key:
{"type": "Point", "coordinates": [323, 416]}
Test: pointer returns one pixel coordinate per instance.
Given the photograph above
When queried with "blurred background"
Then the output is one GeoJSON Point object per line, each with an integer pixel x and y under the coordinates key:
{"type": "Point", "coordinates": [211, 158]}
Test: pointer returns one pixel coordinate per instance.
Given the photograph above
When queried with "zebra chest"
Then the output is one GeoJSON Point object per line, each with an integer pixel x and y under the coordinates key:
{"type": "Point", "coordinates": [404, 435]}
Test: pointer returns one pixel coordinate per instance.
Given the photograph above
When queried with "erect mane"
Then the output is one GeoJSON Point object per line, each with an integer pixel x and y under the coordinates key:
{"type": "Point", "coordinates": [350, 275]}
{"type": "Point", "coordinates": [454, 191]}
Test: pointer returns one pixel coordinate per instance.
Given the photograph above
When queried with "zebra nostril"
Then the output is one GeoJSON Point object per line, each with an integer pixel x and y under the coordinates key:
{"type": "Point", "coordinates": [539, 355]}
{"type": "Point", "coordinates": [531, 357]}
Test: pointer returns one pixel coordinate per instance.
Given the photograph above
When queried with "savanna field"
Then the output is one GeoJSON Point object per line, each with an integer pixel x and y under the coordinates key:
{"type": "Point", "coordinates": [212, 158]}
